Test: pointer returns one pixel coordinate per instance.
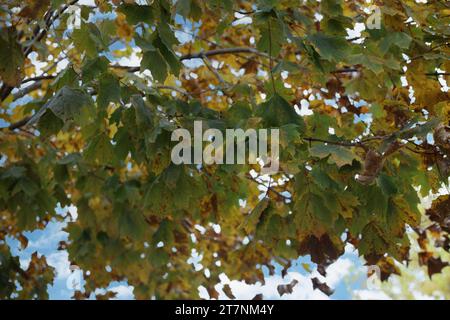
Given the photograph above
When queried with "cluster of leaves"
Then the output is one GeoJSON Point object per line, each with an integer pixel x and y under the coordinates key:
{"type": "Point", "coordinates": [429, 258]}
{"type": "Point", "coordinates": [95, 132]}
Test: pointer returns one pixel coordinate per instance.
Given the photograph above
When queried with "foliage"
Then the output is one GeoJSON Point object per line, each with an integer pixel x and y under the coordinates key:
{"type": "Point", "coordinates": [95, 132]}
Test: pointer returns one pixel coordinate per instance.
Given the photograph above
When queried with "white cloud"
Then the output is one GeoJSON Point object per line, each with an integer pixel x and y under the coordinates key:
{"type": "Point", "coordinates": [50, 237]}
{"type": "Point", "coordinates": [302, 291]}
{"type": "Point", "coordinates": [371, 295]}
{"type": "Point", "coordinates": [123, 292]}
{"type": "Point", "coordinates": [337, 271]}
{"type": "Point", "coordinates": [60, 261]}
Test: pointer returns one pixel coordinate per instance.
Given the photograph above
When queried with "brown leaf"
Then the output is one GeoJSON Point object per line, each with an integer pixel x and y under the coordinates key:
{"type": "Point", "coordinates": [285, 269]}
{"type": "Point", "coordinates": [286, 288]}
{"type": "Point", "coordinates": [62, 245]}
{"type": "Point", "coordinates": [106, 296]}
{"type": "Point", "coordinates": [424, 256]}
{"type": "Point", "coordinates": [322, 269]}
{"type": "Point", "coordinates": [373, 163]}
{"type": "Point", "coordinates": [443, 165]}
{"type": "Point", "coordinates": [334, 86]}
{"type": "Point", "coordinates": [387, 267]}
{"type": "Point", "coordinates": [227, 290]}
{"type": "Point", "coordinates": [443, 243]}
{"type": "Point", "coordinates": [440, 212]}
{"type": "Point", "coordinates": [322, 286]}
{"type": "Point", "coordinates": [34, 9]}
{"type": "Point", "coordinates": [23, 241]}
{"type": "Point", "coordinates": [11, 58]}
{"type": "Point", "coordinates": [251, 66]}
{"type": "Point", "coordinates": [322, 251]}
{"type": "Point", "coordinates": [213, 294]}
{"type": "Point", "coordinates": [435, 265]}
{"type": "Point", "coordinates": [78, 295]}
{"type": "Point", "coordinates": [258, 297]}
{"type": "Point", "coordinates": [271, 269]}
{"type": "Point", "coordinates": [442, 136]}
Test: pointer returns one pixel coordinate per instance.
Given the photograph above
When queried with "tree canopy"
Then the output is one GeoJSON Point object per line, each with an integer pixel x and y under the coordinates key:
{"type": "Point", "coordinates": [91, 92]}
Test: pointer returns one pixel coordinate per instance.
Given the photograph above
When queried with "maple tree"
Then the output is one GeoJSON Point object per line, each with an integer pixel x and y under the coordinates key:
{"type": "Point", "coordinates": [83, 127]}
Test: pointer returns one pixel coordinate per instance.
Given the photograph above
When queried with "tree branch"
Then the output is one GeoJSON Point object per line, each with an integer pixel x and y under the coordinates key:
{"type": "Point", "coordinates": [180, 90]}
{"type": "Point", "coordinates": [215, 52]}
{"type": "Point", "coordinates": [39, 78]}
{"type": "Point", "coordinates": [23, 92]}
{"type": "Point", "coordinates": [213, 70]}
{"type": "Point", "coordinates": [338, 143]}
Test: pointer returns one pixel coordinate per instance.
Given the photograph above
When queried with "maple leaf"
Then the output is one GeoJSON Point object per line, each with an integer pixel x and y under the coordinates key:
{"type": "Point", "coordinates": [322, 286]}
{"type": "Point", "coordinates": [286, 288]}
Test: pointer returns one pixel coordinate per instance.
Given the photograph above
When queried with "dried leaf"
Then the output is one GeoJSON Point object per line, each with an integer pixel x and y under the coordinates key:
{"type": "Point", "coordinates": [373, 163]}
{"type": "Point", "coordinates": [286, 288]}
{"type": "Point", "coordinates": [321, 286]}
{"type": "Point", "coordinates": [227, 290]}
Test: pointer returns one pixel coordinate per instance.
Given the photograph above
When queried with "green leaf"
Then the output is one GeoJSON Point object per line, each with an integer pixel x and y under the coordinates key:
{"type": "Point", "coordinates": [68, 77]}
{"type": "Point", "coordinates": [252, 220]}
{"type": "Point", "coordinates": [377, 201]}
{"type": "Point", "coordinates": [332, 48]}
{"type": "Point", "coordinates": [11, 58]}
{"type": "Point", "coordinates": [321, 211]}
{"type": "Point", "coordinates": [84, 41]}
{"type": "Point", "coordinates": [324, 180]}
{"type": "Point", "coordinates": [331, 7]}
{"type": "Point", "coordinates": [377, 111]}
{"type": "Point", "coordinates": [387, 184]}
{"type": "Point", "coordinates": [108, 91]}
{"type": "Point", "coordinates": [171, 58]}
{"type": "Point", "coordinates": [341, 156]}
{"type": "Point", "coordinates": [71, 158]}
{"type": "Point", "coordinates": [14, 172]}
{"type": "Point", "coordinates": [144, 44]}
{"type": "Point", "coordinates": [144, 115]}
{"type": "Point", "coordinates": [399, 39]}
{"type": "Point", "coordinates": [100, 149]}
{"type": "Point", "coordinates": [183, 7]}
{"type": "Point", "coordinates": [277, 112]}
{"type": "Point", "coordinates": [130, 222]}
{"type": "Point", "coordinates": [419, 130]}
{"type": "Point", "coordinates": [123, 143]}
{"type": "Point", "coordinates": [372, 62]}
{"type": "Point", "coordinates": [271, 38]}
{"type": "Point", "coordinates": [164, 233]}
{"type": "Point", "coordinates": [137, 13]}
{"type": "Point", "coordinates": [158, 258]}
{"type": "Point", "coordinates": [49, 124]}
{"type": "Point", "coordinates": [155, 62]}
{"type": "Point", "coordinates": [166, 35]}
{"type": "Point", "coordinates": [71, 104]}
{"type": "Point", "coordinates": [93, 68]}
{"type": "Point", "coordinates": [28, 186]}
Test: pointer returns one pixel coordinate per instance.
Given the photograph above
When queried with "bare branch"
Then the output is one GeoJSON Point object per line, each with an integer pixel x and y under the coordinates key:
{"type": "Point", "coordinates": [24, 91]}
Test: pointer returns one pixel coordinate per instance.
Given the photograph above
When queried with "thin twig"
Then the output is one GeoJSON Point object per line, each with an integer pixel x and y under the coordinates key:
{"type": "Point", "coordinates": [270, 58]}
